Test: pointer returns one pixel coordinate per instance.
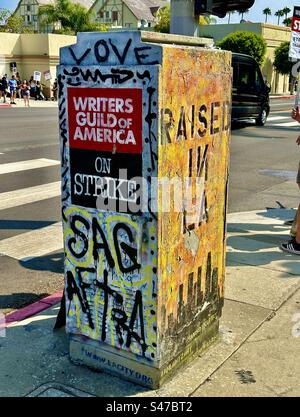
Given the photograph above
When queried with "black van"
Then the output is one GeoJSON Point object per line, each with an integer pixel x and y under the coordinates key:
{"type": "Point", "coordinates": [250, 94]}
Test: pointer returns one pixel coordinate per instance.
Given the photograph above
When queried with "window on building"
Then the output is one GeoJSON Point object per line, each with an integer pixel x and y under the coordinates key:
{"type": "Point", "coordinates": [115, 16]}
{"type": "Point", "coordinates": [128, 25]}
{"type": "Point", "coordinates": [34, 18]}
{"type": "Point", "coordinates": [28, 18]}
{"type": "Point", "coordinates": [101, 15]}
{"type": "Point", "coordinates": [107, 15]}
{"type": "Point", "coordinates": [28, 7]}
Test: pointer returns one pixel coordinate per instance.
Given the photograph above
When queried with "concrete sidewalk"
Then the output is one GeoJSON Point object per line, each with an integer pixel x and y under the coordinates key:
{"type": "Point", "coordinates": [256, 354]}
{"type": "Point", "coordinates": [33, 104]}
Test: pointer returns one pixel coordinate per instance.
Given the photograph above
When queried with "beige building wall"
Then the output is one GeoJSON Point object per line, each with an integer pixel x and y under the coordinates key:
{"type": "Point", "coordinates": [32, 52]}
{"type": "Point", "coordinates": [273, 35]}
{"type": "Point", "coordinates": [129, 20]}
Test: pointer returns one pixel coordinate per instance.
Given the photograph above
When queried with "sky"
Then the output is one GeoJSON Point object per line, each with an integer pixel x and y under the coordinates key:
{"type": "Point", "coordinates": [255, 14]}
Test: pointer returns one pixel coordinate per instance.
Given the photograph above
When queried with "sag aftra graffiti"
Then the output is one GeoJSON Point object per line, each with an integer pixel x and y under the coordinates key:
{"type": "Point", "coordinates": [144, 133]}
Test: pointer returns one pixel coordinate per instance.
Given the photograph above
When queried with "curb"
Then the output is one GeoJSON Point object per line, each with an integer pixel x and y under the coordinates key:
{"type": "Point", "coordinates": [282, 97]}
{"type": "Point", "coordinates": [4, 105]}
{"type": "Point", "coordinates": [32, 309]}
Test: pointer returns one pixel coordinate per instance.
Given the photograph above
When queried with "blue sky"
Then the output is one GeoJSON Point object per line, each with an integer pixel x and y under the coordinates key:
{"type": "Point", "coordinates": [255, 14]}
{"type": "Point", "coordinates": [8, 4]}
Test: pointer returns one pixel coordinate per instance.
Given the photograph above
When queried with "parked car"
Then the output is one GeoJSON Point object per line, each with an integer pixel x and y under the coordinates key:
{"type": "Point", "coordinates": [250, 95]}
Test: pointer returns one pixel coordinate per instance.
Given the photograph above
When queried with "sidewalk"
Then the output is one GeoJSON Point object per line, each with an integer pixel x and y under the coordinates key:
{"type": "Point", "coordinates": [33, 104]}
{"type": "Point", "coordinates": [258, 348]}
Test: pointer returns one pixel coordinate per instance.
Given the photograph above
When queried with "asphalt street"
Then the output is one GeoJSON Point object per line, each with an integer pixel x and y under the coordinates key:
{"type": "Point", "coordinates": [264, 161]}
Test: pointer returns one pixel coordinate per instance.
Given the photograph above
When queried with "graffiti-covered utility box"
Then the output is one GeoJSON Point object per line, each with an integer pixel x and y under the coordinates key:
{"type": "Point", "coordinates": [144, 131]}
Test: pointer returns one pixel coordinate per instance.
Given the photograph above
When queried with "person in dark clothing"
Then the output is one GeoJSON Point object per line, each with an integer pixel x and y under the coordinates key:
{"type": "Point", "coordinates": [3, 88]}
{"type": "Point", "coordinates": [39, 91]}
{"type": "Point", "coordinates": [293, 245]}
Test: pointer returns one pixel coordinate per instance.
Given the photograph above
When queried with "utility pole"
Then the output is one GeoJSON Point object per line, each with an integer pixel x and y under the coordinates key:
{"type": "Point", "coordinates": [183, 20]}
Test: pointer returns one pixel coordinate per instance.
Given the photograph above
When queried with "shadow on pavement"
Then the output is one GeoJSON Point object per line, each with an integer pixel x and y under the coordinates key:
{"type": "Point", "coordinates": [24, 224]}
{"type": "Point", "coordinates": [257, 244]}
{"type": "Point", "coordinates": [53, 263]}
{"type": "Point", "coordinates": [19, 300]}
{"type": "Point", "coordinates": [35, 362]}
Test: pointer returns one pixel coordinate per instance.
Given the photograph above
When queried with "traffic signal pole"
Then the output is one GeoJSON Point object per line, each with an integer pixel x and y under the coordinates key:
{"type": "Point", "coordinates": [183, 20]}
{"type": "Point", "coordinates": [185, 13]}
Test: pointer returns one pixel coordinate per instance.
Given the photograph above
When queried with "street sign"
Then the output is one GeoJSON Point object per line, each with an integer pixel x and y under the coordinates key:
{"type": "Point", "coordinates": [294, 52]}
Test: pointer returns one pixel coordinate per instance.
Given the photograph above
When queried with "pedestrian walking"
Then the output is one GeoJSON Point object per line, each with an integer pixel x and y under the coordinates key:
{"type": "Point", "coordinates": [19, 82]}
{"type": "Point", "coordinates": [25, 92]}
{"type": "Point", "coordinates": [13, 89]}
{"type": "Point", "coordinates": [39, 91]}
{"type": "Point", "coordinates": [3, 88]}
{"type": "Point", "coordinates": [55, 90]}
{"type": "Point", "coordinates": [32, 84]}
{"type": "Point", "coordinates": [293, 245]}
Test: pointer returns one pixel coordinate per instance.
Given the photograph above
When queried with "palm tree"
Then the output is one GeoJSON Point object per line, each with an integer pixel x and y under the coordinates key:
{"type": "Point", "coordinates": [279, 14]}
{"type": "Point", "coordinates": [244, 12]}
{"type": "Point", "coordinates": [229, 15]}
{"type": "Point", "coordinates": [207, 20]}
{"type": "Point", "coordinates": [287, 22]}
{"type": "Point", "coordinates": [72, 17]}
{"type": "Point", "coordinates": [286, 11]}
{"type": "Point", "coordinates": [268, 12]}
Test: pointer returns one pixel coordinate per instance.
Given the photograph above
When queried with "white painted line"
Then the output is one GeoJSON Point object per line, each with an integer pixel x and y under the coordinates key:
{"type": "Point", "coordinates": [29, 195]}
{"type": "Point", "coordinates": [289, 124]}
{"type": "Point", "coordinates": [1, 153]}
{"type": "Point", "coordinates": [27, 165]}
{"type": "Point", "coordinates": [33, 244]}
{"type": "Point", "coordinates": [273, 118]}
{"type": "Point", "coordinates": [283, 104]}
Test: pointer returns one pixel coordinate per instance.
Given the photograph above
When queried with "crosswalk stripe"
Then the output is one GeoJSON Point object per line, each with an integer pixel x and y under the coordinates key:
{"type": "Point", "coordinates": [29, 195]}
{"type": "Point", "coordinates": [33, 244]}
{"type": "Point", "coordinates": [288, 124]}
{"type": "Point", "coordinates": [275, 118]}
{"type": "Point", "coordinates": [27, 165]}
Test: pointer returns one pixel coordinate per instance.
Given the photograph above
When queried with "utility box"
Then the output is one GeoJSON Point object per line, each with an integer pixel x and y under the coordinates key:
{"type": "Point", "coordinates": [144, 133]}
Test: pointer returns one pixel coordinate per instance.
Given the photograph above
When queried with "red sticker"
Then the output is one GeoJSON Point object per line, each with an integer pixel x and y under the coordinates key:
{"type": "Point", "coordinates": [296, 24]}
{"type": "Point", "coordinates": [105, 119]}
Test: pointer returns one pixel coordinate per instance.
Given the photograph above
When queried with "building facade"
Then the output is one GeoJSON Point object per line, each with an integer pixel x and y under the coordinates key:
{"type": "Point", "coordinates": [32, 52]}
{"type": "Point", "coordinates": [130, 14]}
{"type": "Point", "coordinates": [272, 34]}
{"type": "Point", "coordinates": [29, 11]}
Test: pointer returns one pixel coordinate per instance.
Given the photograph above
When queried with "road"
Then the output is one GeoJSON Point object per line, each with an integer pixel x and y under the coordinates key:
{"type": "Point", "coordinates": [264, 161]}
{"type": "Point", "coordinates": [263, 166]}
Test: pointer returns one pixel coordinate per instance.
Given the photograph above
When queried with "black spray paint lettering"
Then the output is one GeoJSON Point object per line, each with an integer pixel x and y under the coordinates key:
{"type": "Point", "coordinates": [103, 49]}
{"type": "Point", "coordinates": [117, 76]}
{"type": "Point", "coordinates": [118, 315]}
{"type": "Point", "coordinates": [122, 249]}
{"type": "Point", "coordinates": [219, 119]}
